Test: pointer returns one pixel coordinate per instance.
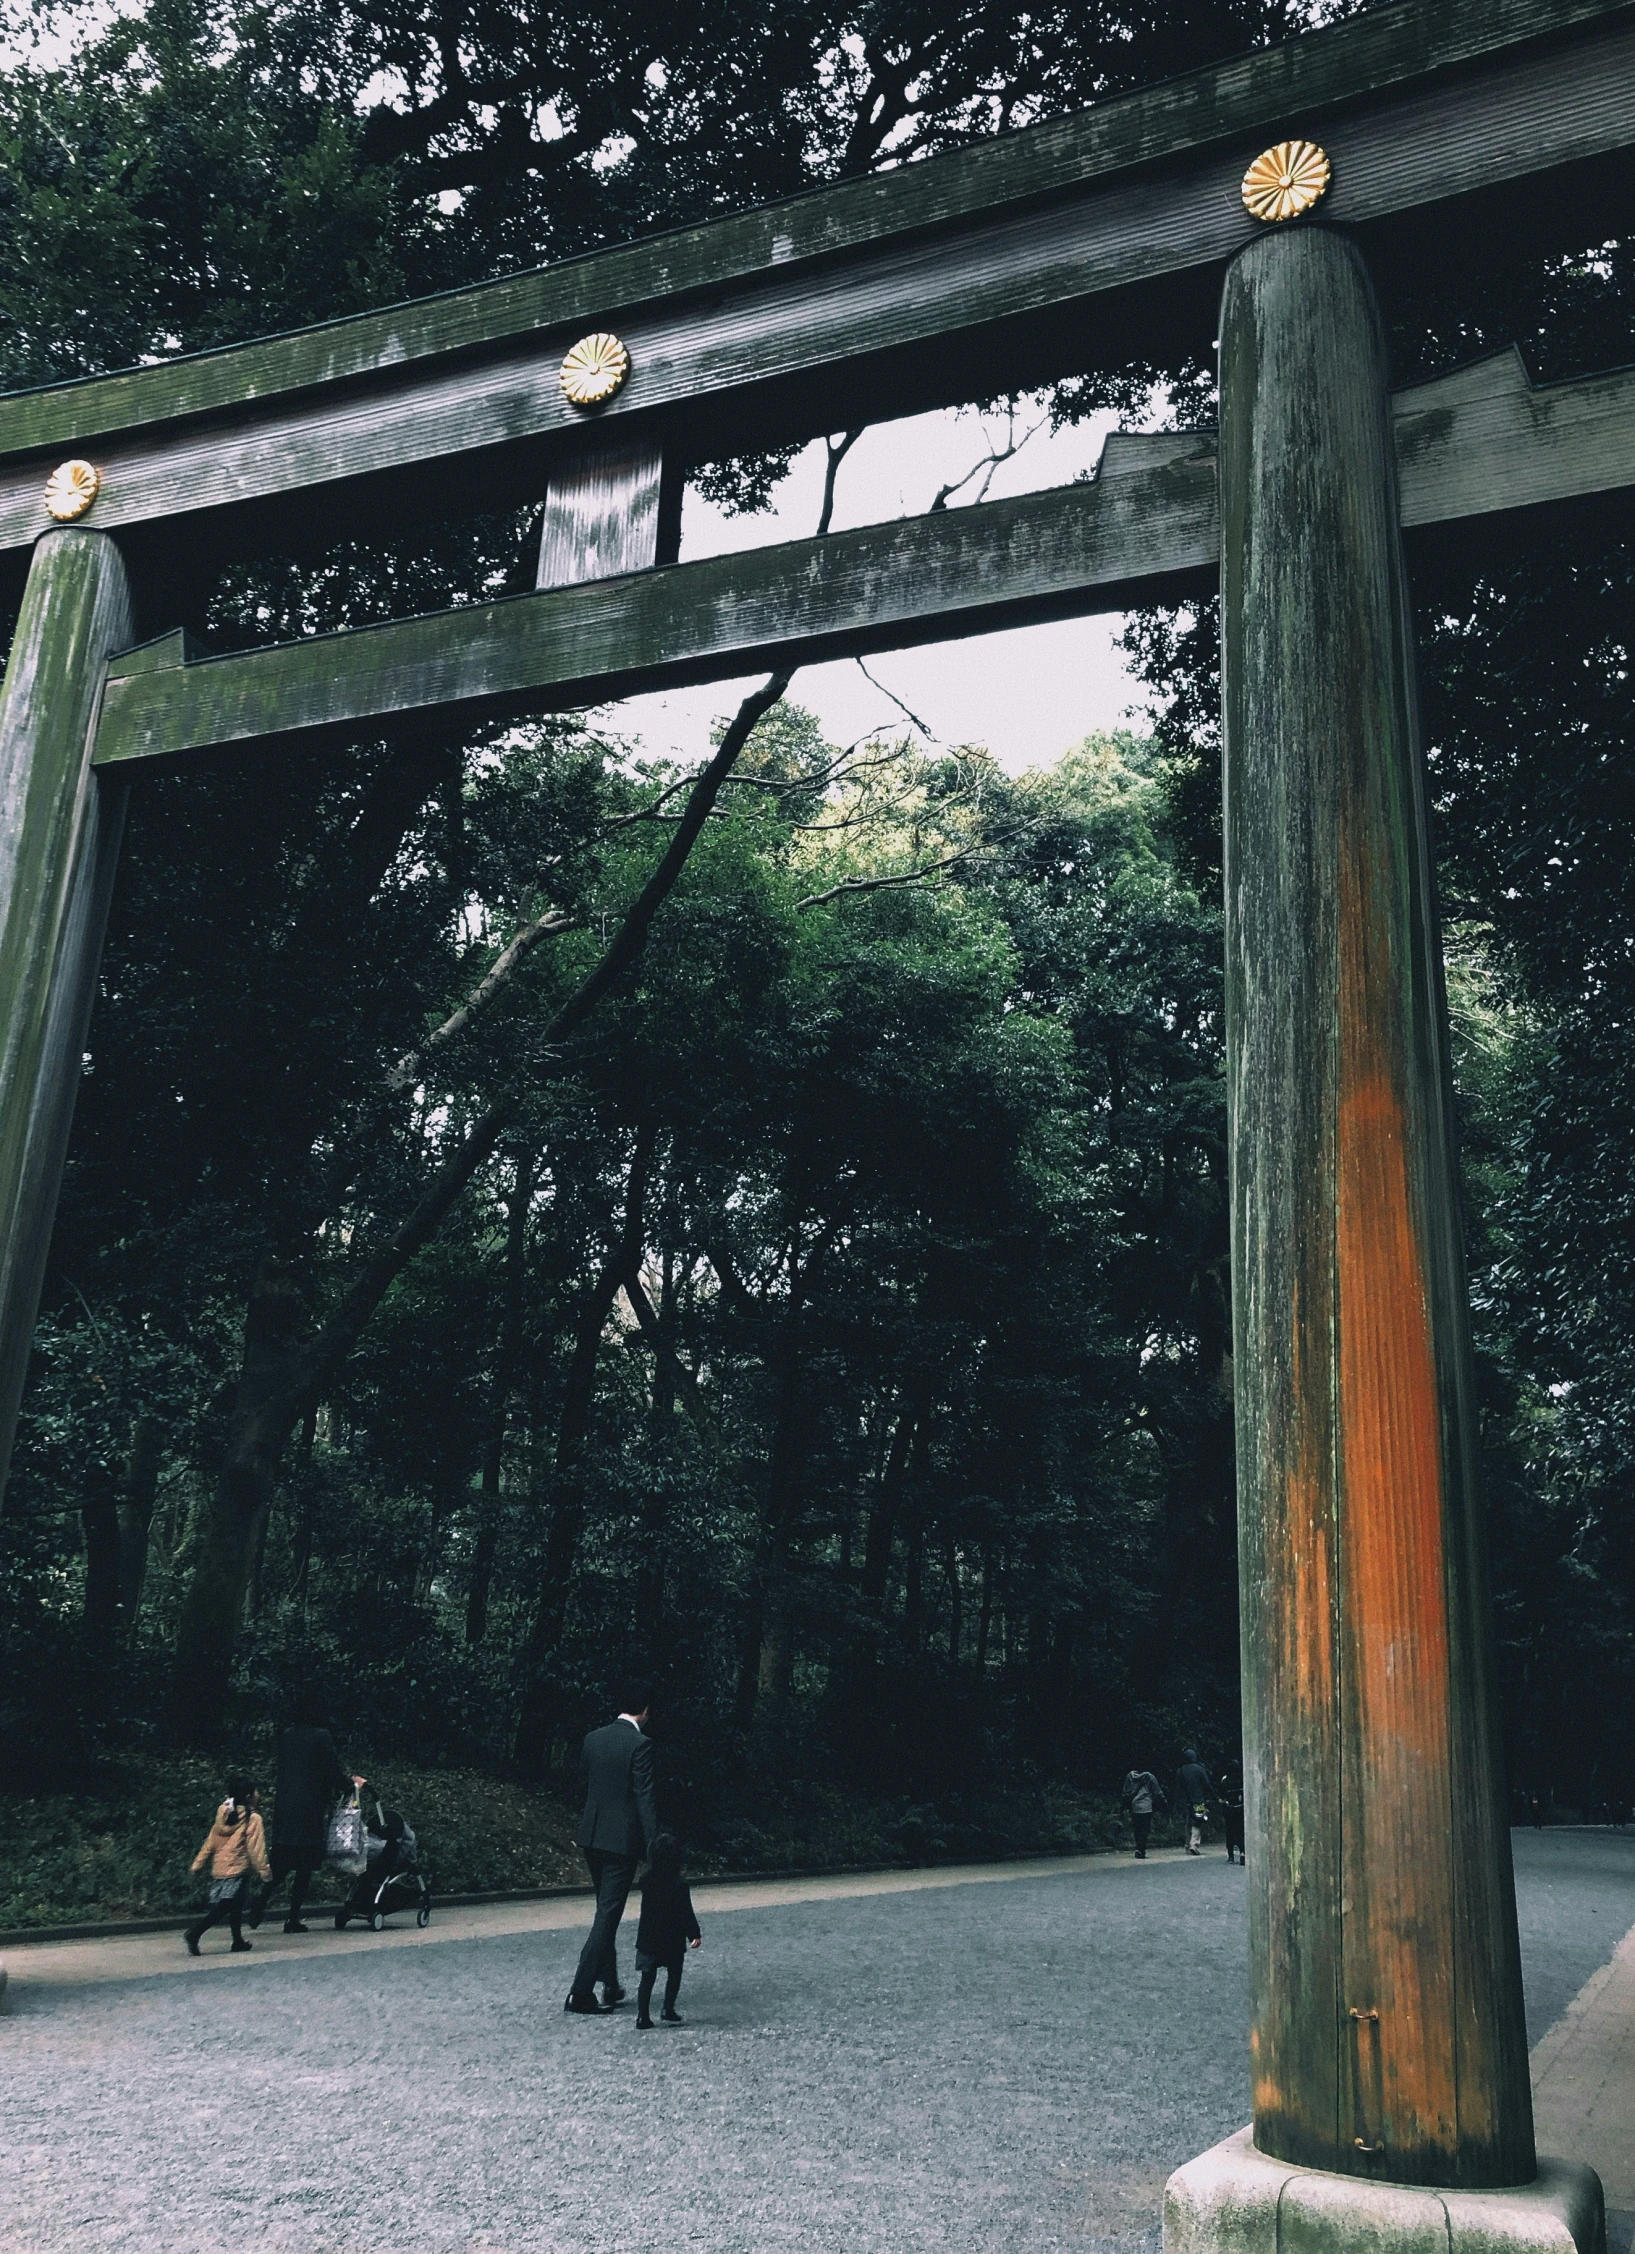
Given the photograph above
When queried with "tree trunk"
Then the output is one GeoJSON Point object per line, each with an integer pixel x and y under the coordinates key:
{"type": "Point", "coordinates": [258, 1560]}
{"type": "Point", "coordinates": [99, 1517]}
{"type": "Point", "coordinates": [956, 1607]}
{"type": "Point", "coordinates": [882, 1526]}
{"type": "Point", "coordinates": [541, 1696]}
{"type": "Point", "coordinates": [1388, 2032]}
{"type": "Point", "coordinates": [649, 1606]}
{"type": "Point", "coordinates": [768, 1651]}
{"type": "Point", "coordinates": [984, 1620]}
{"type": "Point", "coordinates": [134, 1511]}
{"type": "Point", "coordinates": [916, 1490]}
{"type": "Point", "coordinates": [914, 1581]}
{"type": "Point", "coordinates": [506, 1352]}
{"type": "Point", "coordinates": [266, 1404]}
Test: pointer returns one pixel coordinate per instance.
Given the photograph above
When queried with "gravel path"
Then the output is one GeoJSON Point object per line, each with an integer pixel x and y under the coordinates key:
{"type": "Point", "coordinates": [950, 2069]}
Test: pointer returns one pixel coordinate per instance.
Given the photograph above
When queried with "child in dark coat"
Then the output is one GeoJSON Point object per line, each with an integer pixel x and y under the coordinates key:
{"type": "Point", "coordinates": [667, 1930]}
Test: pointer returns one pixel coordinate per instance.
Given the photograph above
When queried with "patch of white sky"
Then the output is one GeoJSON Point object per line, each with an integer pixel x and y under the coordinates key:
{"type": "Point", "coordinates": [1028, 694]}
{"type": "Point", "coordinates": [44, 37]}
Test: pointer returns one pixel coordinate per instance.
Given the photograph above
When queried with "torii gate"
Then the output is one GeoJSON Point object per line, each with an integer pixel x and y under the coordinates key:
{"type": "Point", "coordinates": [1388, 2040]}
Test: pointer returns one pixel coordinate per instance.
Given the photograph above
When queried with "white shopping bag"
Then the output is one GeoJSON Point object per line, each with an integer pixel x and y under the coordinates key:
{"type": "Point", "coordinates": [347, 1850]}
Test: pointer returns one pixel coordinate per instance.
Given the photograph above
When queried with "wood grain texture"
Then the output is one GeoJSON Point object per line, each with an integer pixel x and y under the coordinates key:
{"type": "Point", "coordinates": [961, 571]}
{"type": "Point", "coordinates": [1388, 2036]}
{"type": "Point", "coordinates": [602, 511]}
{"type": "Point", "coordinates": [59, 844]}
{"type": "Point", "coordinates": [1484, 441]}
{"type": "Point", "coordinates": [1247, 96]}
{"type": "Point", "coordinates": [916, 297]}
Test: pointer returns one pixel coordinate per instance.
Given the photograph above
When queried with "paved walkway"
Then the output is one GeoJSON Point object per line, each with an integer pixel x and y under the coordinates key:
{"type": "Point", "coordinates": [950, 2060]}
{"type": "Point", "coordinates": [142, 1955]}
{"type": "Point", "coordinates": [1584, 2064]}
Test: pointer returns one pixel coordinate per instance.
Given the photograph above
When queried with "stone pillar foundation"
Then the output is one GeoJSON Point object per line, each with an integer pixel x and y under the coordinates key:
{"type": "Point", "coordinates": [1234, 2200]}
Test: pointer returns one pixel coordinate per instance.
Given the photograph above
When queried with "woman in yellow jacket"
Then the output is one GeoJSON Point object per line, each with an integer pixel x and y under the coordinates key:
{"type": "Point", "coordinates": [236, 1846]}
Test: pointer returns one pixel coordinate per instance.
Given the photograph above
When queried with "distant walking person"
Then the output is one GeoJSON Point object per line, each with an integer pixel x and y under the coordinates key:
{"type": "Point", "coordinates": [618, 1827]}
{"type": "Point", "coordinates": [234, 1848]}
{"type": "Point", "coordinates": [310, 1781]}
{"type": "Point", "coordinates": [668, 1929]}
{"type": "Point", "coordinates": [1142, 1792]}
{"type": "Point", "coordinates": [1232, 1811]}
{"type": "Point", "coordinates": [1194, 1791]}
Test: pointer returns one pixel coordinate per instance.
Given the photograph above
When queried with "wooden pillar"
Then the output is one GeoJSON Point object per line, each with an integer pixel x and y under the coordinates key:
{"type": "Point", "coordinates": [1388, 2037]}
{"type": "Point", "coordinates": [59, 843]}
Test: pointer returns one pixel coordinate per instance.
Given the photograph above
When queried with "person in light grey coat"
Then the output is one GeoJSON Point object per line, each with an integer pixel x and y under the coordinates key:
{"type": "Point", "coordinates": [1142, 1793]}
{"type": "Point", "coordinates": [618, 1827]}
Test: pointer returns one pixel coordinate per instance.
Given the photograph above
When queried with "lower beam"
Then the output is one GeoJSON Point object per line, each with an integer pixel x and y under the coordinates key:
{"type": "Point", "coordinates": [1473, 447]}
{"type": "Point", "coordinates": [1145, 535]}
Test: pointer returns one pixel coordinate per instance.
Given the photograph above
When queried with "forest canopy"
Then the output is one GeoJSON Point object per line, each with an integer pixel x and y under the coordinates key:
{"type": "Point", "coordinates": [534, 1209]}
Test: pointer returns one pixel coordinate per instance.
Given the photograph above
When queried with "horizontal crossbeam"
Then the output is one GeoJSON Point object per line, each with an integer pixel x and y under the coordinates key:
{"type": "Point", "coordinates": [1092, 239]}
{"type": "Point", "coordinates": [1479, 443]}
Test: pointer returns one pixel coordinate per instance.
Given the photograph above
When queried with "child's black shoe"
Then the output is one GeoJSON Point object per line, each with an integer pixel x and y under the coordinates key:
{"type": "Point", "coordinates": [192, 1940]}
{"type": "Point", "coordinates": [238, 1948]}
{"type": "Point", "coordinates": [643, 2020]}
{"type": "Point", "coordinates": [674, 2017]}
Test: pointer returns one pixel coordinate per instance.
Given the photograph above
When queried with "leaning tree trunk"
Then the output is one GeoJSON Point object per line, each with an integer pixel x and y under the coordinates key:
{"type": "Point", "coordinates": [505, 1374]}
{"type": "Point", "coordinates": [542, 1689]}
{"type": "Point", "coordinates": [649, 1605]}
{"type": "Point", "coordinates": [266, 1404]}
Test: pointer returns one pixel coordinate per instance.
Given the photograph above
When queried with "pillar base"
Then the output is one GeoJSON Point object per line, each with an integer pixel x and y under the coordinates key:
{"type": "Point", "coordinates": [1234, 2200]}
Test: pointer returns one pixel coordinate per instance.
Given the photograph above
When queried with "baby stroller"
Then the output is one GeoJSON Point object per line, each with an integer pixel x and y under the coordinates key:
{"type": "Point", "coordinates": [393, 1879]}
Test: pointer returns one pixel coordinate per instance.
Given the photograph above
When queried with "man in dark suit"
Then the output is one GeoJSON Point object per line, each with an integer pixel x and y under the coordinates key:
{"type": "Point", "coordinates": [617, 1828]}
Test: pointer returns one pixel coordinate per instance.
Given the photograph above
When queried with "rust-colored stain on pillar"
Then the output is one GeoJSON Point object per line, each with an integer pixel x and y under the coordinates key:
{"type": "Point", "coordinates": [1396, 1874]}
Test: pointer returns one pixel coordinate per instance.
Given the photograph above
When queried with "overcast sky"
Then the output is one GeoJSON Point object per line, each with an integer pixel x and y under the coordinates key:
{"type": "Point", "coordinates": [1028, 694]}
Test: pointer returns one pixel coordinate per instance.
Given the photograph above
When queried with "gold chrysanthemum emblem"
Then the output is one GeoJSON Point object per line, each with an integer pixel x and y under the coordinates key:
{"type": "Point", "coordinates": [70, 490]}
{"type": "Point", "coordinates": [594, 369]}
{"type": "Point", "coordinates": [1287, 180]}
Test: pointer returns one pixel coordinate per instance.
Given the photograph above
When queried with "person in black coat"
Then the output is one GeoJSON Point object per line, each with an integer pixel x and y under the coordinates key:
{"type": "Point", "coordinates": [1195, 1789]}
{"type": "Point", "coordinates": [618, 1827]}
{"type": "Point", "coordinates": [310, 1781]}
{"type": "Point", "coordinates": [1232, 1811]}
{"type": "Point", "coordinates": [668, 1929]}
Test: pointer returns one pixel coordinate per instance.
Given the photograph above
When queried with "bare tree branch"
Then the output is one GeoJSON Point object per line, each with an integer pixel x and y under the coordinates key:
{"type": "Point", "coordinates": [525, 941]}
{"type": "Point", "coordinates": [907, 714]}
{"type": "Point", "coordinates": [850, 885]}
{"type": "Point", "coordinates": [991, 462]}
{"type": "Point", "coordinates": [846, 764]}
{"type": "Point", "coordinates": [646, 813]}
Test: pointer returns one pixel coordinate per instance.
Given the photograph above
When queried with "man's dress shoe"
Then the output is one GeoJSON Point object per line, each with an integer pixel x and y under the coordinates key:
{"type": "Point", "coordinates": [585, 2004]}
